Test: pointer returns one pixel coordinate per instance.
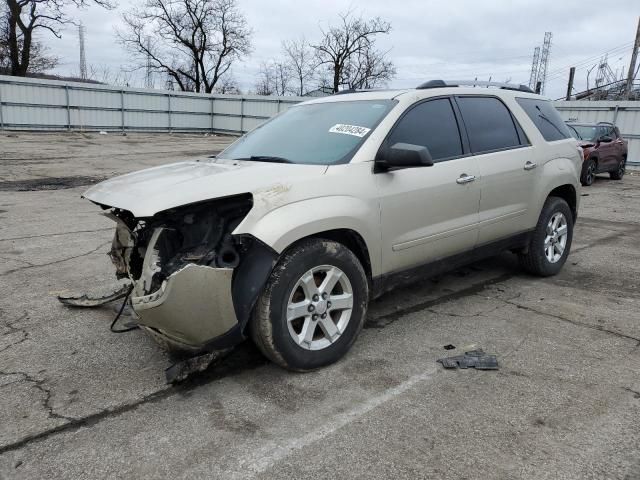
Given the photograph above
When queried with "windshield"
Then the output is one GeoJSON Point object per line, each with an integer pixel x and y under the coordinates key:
{"type": "Point", "coordinates": [585, 132]}
{"type": "Point", "coordinates": [320, 134]}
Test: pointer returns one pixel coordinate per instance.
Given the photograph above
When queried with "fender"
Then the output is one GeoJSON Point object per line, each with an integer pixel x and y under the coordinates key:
{"type": "Point", "coordinates": [281, 227]}
{"type": "Point", "coordinates": [558, 173]}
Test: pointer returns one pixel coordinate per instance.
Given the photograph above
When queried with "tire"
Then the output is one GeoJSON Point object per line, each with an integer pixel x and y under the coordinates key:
{"type": "Point", "coordinates": [588, 172]}
{"type": "Point", "coordinates": [619, 172]}
{"type": "Point", "coordinates": [301, 269]}
{"type": "Point", "coordinates": [536, 259]}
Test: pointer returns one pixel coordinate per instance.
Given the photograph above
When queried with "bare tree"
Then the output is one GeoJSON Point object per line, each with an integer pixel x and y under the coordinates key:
{"type": "Point", "coordinates": [194, 42]}
{"type": "Point", "coordinates": [302, 63]}
{"type": "Point", "coordinates": [40, 60]}
{"type": "Point", "coordinates": [352, 43]}
{"type": "Point", "coordinates": [104, 74]}
{"type": "Point", "coordinates": [368, 69]}
{"type": "Point", "coordinates": [274, 78]}
{"type": "Point", "coordinates": [26, 17]}
{"type": "Point", "coordinates": [227, 85]}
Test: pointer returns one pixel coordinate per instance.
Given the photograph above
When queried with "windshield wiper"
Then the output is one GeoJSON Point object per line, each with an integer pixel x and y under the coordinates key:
{"type": "Point", "coordinates": [265, 158]}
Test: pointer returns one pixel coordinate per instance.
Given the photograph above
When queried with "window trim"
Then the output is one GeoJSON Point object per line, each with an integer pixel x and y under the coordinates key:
{"type": "Point", "coordinates": [523, 142]}
{"type": "Point", "coordinates": [466, 152]}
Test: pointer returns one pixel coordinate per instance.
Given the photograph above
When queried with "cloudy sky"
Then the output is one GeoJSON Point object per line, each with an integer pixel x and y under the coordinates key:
{"type": "Point", "coordinates": [429, 39]}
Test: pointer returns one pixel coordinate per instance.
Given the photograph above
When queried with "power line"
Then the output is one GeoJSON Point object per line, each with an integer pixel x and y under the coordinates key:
{"type": "Point", "coordinates": [561, 70]}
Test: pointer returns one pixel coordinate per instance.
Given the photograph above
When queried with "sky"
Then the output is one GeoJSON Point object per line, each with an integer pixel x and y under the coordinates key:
{"type": "Point", "coordinates": [456, 39]}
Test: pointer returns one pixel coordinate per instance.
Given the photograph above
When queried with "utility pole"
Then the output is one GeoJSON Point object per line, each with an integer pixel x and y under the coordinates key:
{"type": "Point", "coordinates": [148, 79]}
{"type": "Point", "coordinates": [572, 73]}
{"type": "Point", "coordinates": [83, 60]}
{"type": "Point", "coordinates": [632, 64]}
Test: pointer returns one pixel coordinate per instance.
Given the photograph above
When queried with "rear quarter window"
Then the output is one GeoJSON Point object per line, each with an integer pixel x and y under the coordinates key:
{"type": "Point", "coordinates": [546, 118]}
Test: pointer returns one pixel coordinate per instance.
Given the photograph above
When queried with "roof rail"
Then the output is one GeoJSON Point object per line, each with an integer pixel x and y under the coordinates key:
{"type": "Point", "coordinates": [473, 83]}
{"type": "Point", "coordinates": [606, 123]}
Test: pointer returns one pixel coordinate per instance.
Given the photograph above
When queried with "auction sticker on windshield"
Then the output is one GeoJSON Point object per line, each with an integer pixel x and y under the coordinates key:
{"type": "Point", "coordinates": [354, 130]}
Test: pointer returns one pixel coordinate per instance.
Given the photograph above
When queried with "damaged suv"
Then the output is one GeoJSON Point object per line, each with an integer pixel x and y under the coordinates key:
{"type": "Point", "coordinates": [286, 235]}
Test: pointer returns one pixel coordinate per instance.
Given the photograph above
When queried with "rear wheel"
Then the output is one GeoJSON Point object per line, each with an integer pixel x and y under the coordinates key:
{"type": "Point", "coordinates": [313, 306]}
{"type": "Point", "coordinates": [618, 173]}
{"type": "Point", "coordinates": [588, 172]}
{"type": "Point", "coordinates": [551, 240]}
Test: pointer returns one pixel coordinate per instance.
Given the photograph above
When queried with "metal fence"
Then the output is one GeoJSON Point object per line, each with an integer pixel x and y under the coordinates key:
{"type": "Point", "coordinates": [34, 104]}
{"type": "Point", "coordinates": [626, 115]}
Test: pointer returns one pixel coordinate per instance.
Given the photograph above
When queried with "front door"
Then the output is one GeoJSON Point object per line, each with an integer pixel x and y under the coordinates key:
{"type": "Point", "coordinates": [428, 213]}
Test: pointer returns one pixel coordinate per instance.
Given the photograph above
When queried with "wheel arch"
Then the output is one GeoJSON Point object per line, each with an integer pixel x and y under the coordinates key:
{"type": "Point", "coordinates": [350, 239]}
{"type": "Point", "coordinates": [569, 194]}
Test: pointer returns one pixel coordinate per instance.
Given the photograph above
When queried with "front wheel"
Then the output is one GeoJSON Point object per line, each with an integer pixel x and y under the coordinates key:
{"type": "Point", "coordinates": [588, 172]}
{"type": "Point", "coordinates": [313, 306]}
{"type": "Point", "coordinates": [551, 240]}
{"type": "Point", "coordinates": [618, 173]}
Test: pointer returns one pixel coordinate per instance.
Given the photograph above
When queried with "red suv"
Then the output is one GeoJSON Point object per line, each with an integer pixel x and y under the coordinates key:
{"type": "Point", "coordinates": [603, 147]}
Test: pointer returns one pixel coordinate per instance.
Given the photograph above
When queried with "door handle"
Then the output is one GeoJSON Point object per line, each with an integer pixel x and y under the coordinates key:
{"type": "Point", "coordinates": [464, 178]}
{"type": "Point", "coordinates": [530, 165]}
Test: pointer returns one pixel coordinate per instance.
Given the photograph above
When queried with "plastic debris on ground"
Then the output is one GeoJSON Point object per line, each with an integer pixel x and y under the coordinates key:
{"type": "Point", "coordinates": [477, 359]}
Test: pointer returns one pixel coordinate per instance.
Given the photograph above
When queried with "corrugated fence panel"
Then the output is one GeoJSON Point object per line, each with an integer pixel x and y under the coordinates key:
{"type": "Point", "coordinates": [27, 103]}
{"type": "Point", "coordinates": [94, 99]}
{"type": "Point", "coordinates": [85, 119]}
{"type": "Point", "coordinates": [137, 101]}
{"type": "Point", "coordinates": [34, 94]}
{"type": "Point", "coordinates": [34, 117]}
{"type": "Point", "coordinates": [626, 116]}
{"type": "Point", "coordinates": [146, 120]}
{"type": "Point", "coordinates": [191, 104]}
{"type": "Point", "coordinates": [190, 121]}
{"type": "Point", "coordinates": [227, 124]}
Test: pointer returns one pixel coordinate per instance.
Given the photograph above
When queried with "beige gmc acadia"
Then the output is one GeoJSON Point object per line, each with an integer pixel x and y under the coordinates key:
{"type": "Point", "coordinates": [286, 235]}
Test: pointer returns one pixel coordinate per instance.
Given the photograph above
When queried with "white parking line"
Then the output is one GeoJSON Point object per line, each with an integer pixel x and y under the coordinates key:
{"type": "Point", "coordinates": [264, 458]}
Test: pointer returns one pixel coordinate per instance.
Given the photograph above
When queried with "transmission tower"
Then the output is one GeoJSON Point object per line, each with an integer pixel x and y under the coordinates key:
{"type": "Point", "coordinates": [533, 78]}
{"type": "Point", "coordinates": [169, 85]}
{"type": "Point", "coordinates": [605, 75]}
{"type": "Point", "coordinates": [83, 60]}
{"type": "Point", "coordinates": [148, 79]}
{"type": "Point", "coordinates": [544, 61]}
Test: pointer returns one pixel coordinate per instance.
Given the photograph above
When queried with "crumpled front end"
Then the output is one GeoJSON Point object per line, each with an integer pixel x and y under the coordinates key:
{"type": "Point", "coordinates": [181, 263]}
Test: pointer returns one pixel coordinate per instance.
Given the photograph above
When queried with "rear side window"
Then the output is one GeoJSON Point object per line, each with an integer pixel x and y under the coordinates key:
{"type": "Point", "coordinates": [546, 118]}
{"type": "Point", "coordinates": [489, 124]}
{"type": "Point", "coordinates": [431, 124]}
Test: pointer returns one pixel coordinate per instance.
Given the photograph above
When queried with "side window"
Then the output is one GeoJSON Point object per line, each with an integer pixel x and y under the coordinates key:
{"type": "Point", "coordinates": [545, 117]}
{"type": "Point", "coordinates": [604, 132]}
{"type": "Point", "coordinates": [431, 124]}
{"type": "Point", "coordinates": [489, 124]}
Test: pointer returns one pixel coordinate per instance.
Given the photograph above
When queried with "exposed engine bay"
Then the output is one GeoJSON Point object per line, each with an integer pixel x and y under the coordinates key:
{"type": "Point", "coordinates": [149, 250]}
{"type": "Point", "coordinates": [183, 266]}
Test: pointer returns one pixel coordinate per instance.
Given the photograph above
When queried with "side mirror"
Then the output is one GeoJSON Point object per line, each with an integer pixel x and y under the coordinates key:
{"type": "Point", "coordinates": [403, 155]}
{"type": "Point", "coordinates": [605, 139]}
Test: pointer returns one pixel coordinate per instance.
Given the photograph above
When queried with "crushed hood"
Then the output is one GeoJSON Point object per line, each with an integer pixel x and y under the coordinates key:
{"type": "Point", "coordinates": [147, 192]}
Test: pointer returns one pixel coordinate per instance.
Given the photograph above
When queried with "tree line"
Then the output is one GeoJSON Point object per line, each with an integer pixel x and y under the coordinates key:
{"type": "Point", "coordinates": [195, 44]}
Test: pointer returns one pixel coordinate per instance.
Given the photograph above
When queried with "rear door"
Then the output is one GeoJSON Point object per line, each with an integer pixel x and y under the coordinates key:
{"type": "Point", "coordinates": [428, 213]}
{"type": "Point", "coordinates": [508, 174]}
{"type": "Point", "coordinates": [608, 150]}
{"type": "Point", "coordinates": [619, 143]}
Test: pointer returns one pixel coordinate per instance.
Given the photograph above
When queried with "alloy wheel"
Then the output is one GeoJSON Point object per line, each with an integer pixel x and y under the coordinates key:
{"type": "Point", "coordinates": [556, 239]}
{"type": "Point", "coordinates": [319, 307]}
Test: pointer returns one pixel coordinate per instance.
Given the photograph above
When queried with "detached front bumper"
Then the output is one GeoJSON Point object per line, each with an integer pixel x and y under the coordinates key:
{"type": "Point", "coordinates": [193, 307]}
